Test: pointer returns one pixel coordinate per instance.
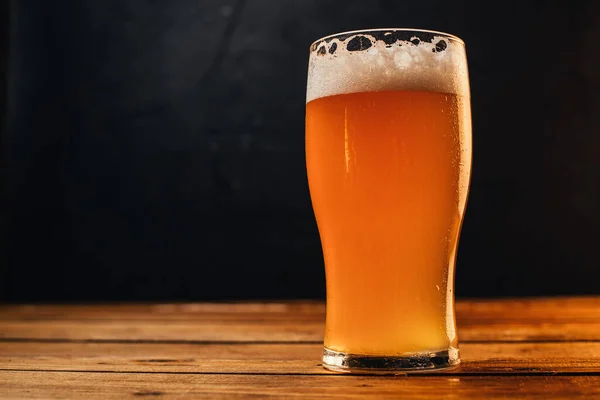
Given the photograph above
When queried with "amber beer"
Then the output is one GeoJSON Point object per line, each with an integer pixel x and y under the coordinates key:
{"type": "Point", "coordinates": [388, 161]}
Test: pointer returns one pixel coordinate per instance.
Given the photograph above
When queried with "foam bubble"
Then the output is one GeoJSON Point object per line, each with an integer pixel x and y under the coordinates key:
{"type": "Point", "coordinates": [351, 63]}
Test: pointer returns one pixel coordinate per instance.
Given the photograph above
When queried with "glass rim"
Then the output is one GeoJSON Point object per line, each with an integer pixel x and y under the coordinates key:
{"type": "Point", "coordinates": [448, 36]}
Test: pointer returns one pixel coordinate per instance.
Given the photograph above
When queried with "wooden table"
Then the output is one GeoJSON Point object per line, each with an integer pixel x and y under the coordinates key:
{"type": "Point", "coordinates": [542, 348]}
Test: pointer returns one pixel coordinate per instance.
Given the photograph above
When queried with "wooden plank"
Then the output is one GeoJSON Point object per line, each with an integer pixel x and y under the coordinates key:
{"type": "Point", "coordinates": [528, 331]}
{"type": "Point", "coordinates": [180, 331]}
{"type": "Point", "coordinates": [282, 330]}
{"type": "Point", "coordinates": [575, 309]}
{"type": "Point", "coordinates": [557, 319]}
{"type": "Point", "coordinates": [41, 385]}
{"type": "Point", "coordinates": [478, 358]}
{"type": "Point", "coordinates": [290, 310]}
{"type": "Point", "coordinates": [541, 308]}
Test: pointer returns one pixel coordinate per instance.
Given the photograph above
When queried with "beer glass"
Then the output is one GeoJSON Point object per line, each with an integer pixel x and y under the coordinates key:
{"type": "Point", "coordinates": [388, 154]}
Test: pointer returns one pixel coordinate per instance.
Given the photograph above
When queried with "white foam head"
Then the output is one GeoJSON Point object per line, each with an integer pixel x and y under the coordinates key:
{"type": "Point", "coordinates": [367, 62]}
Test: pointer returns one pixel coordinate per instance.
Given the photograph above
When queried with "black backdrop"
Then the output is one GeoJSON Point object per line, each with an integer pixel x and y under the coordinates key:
{"type": "Point", "coordinates": [155, 150]}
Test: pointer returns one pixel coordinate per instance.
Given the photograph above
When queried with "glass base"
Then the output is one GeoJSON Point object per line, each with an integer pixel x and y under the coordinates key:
{"type": "Point", "coordinates": [390, 365]}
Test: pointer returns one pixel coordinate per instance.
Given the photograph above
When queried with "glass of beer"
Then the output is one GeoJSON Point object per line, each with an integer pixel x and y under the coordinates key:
{"type": "Point", "coordinates": [388, 154]}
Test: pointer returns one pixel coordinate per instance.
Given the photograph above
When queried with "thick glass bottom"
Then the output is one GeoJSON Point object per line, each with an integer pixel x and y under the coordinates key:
{"type": "Point", "coordinates": [390, 365]}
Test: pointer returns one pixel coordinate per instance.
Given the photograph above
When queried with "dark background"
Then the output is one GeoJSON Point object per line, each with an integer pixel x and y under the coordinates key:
{"type": "Point", "coordinates": [155, 150]}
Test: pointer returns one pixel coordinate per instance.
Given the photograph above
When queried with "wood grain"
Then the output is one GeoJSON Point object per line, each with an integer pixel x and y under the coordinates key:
{"type": "Point", "coordinates": [557, 319]}
{"type": "Point", "coordinates": [494, 358]}
{"type": "Point", "coordinates": [179, 331]}
{"type": "Point", "coordinates": [43, 385]}
{"type": "Point", "coordinates": [282, 330]}
{"type": "Point", "coordinates": [530, 348]}
{"type": "Point", "coordinates": [290, 310]}
{"type": "Point", "coordinates": [555, 308]}
{"type": "Point", "coordinates": [540, 308]}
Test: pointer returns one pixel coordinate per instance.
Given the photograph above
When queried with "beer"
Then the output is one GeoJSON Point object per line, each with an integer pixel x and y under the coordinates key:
{"type": "Point", "coordinates": [388, 161]}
